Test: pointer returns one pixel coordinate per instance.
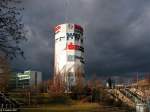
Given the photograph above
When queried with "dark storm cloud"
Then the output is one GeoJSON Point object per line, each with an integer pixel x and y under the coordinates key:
{"type": "Point", "coordinates": [117, 37]}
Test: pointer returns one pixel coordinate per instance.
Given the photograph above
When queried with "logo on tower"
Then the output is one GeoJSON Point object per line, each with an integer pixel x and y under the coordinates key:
{"type": "Point", "coordinates": [70, 26]}
{"type": "Point", "coordinates": [57, 29]}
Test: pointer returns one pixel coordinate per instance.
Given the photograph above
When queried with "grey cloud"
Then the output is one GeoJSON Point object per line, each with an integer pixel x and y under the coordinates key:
{"type": "Point", "coordinates": [116, 34]}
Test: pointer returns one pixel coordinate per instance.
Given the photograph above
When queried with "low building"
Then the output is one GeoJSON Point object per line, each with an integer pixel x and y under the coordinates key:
{"type": "Point", "coordinates": [27, 79]}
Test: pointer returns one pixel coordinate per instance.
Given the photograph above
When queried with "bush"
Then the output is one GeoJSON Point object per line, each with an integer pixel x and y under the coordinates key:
{"type": "Point", "coordinates": [59, 99]}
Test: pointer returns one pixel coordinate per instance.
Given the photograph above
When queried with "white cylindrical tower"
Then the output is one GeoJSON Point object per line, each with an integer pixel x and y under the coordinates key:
{"type": "Point", "coordinates": [69, 52]}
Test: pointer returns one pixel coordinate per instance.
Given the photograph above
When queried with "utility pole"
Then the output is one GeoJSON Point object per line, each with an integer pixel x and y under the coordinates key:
{"type": "Point", "coordinates": [29, 97]}
{"type": "Point", "coordinates": [137, 79]}
{"type": "Point", "coordinates": [67, 9]}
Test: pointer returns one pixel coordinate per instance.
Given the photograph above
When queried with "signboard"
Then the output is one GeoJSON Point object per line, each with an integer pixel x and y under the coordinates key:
{"type": "Point", "coordinates": [71, 46]}
{"type": "Point", "coordinates": [23, 77]}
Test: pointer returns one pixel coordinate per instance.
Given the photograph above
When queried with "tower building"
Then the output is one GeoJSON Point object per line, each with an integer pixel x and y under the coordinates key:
{"type": "Point", "coordinates": [69, 53]}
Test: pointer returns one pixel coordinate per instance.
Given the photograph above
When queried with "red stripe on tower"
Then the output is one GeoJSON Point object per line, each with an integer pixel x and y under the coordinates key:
{"type": "Point", "coordinates": [78, 27]}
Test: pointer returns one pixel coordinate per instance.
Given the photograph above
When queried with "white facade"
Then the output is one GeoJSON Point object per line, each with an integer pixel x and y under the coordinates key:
{"type": "Point", "coordinates": [69, 51]}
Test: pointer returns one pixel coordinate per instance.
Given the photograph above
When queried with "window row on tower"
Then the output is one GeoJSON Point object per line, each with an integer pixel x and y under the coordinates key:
{"type": "Point", "coordinates": [74, 57]}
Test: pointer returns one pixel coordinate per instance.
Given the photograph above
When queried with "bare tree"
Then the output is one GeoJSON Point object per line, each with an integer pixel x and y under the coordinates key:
{"type": "Point", "coordinates": [56, 85]}
{"type": "Point", "coordinates": [147, 77]}
{"type": "Point", "coordinates": [11, 34]}
{"type": "Point", "coordinates": [4, 73]}
{"type": "Point", "coordinates": [11, 29]}
{"type": "Point", "coordinates": [79, 81]}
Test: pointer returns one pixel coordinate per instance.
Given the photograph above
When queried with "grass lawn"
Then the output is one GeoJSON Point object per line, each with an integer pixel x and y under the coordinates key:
{"type": "Point", "coordinates": [78, 107]}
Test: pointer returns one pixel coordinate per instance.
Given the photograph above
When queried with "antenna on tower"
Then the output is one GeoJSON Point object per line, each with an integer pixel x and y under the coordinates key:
{"type": "Point", "coordinates": [67, 9]}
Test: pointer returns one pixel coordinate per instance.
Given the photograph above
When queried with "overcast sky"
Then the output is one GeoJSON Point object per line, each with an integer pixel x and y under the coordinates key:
{"type": "Point", "coordinates": [117, 34]}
